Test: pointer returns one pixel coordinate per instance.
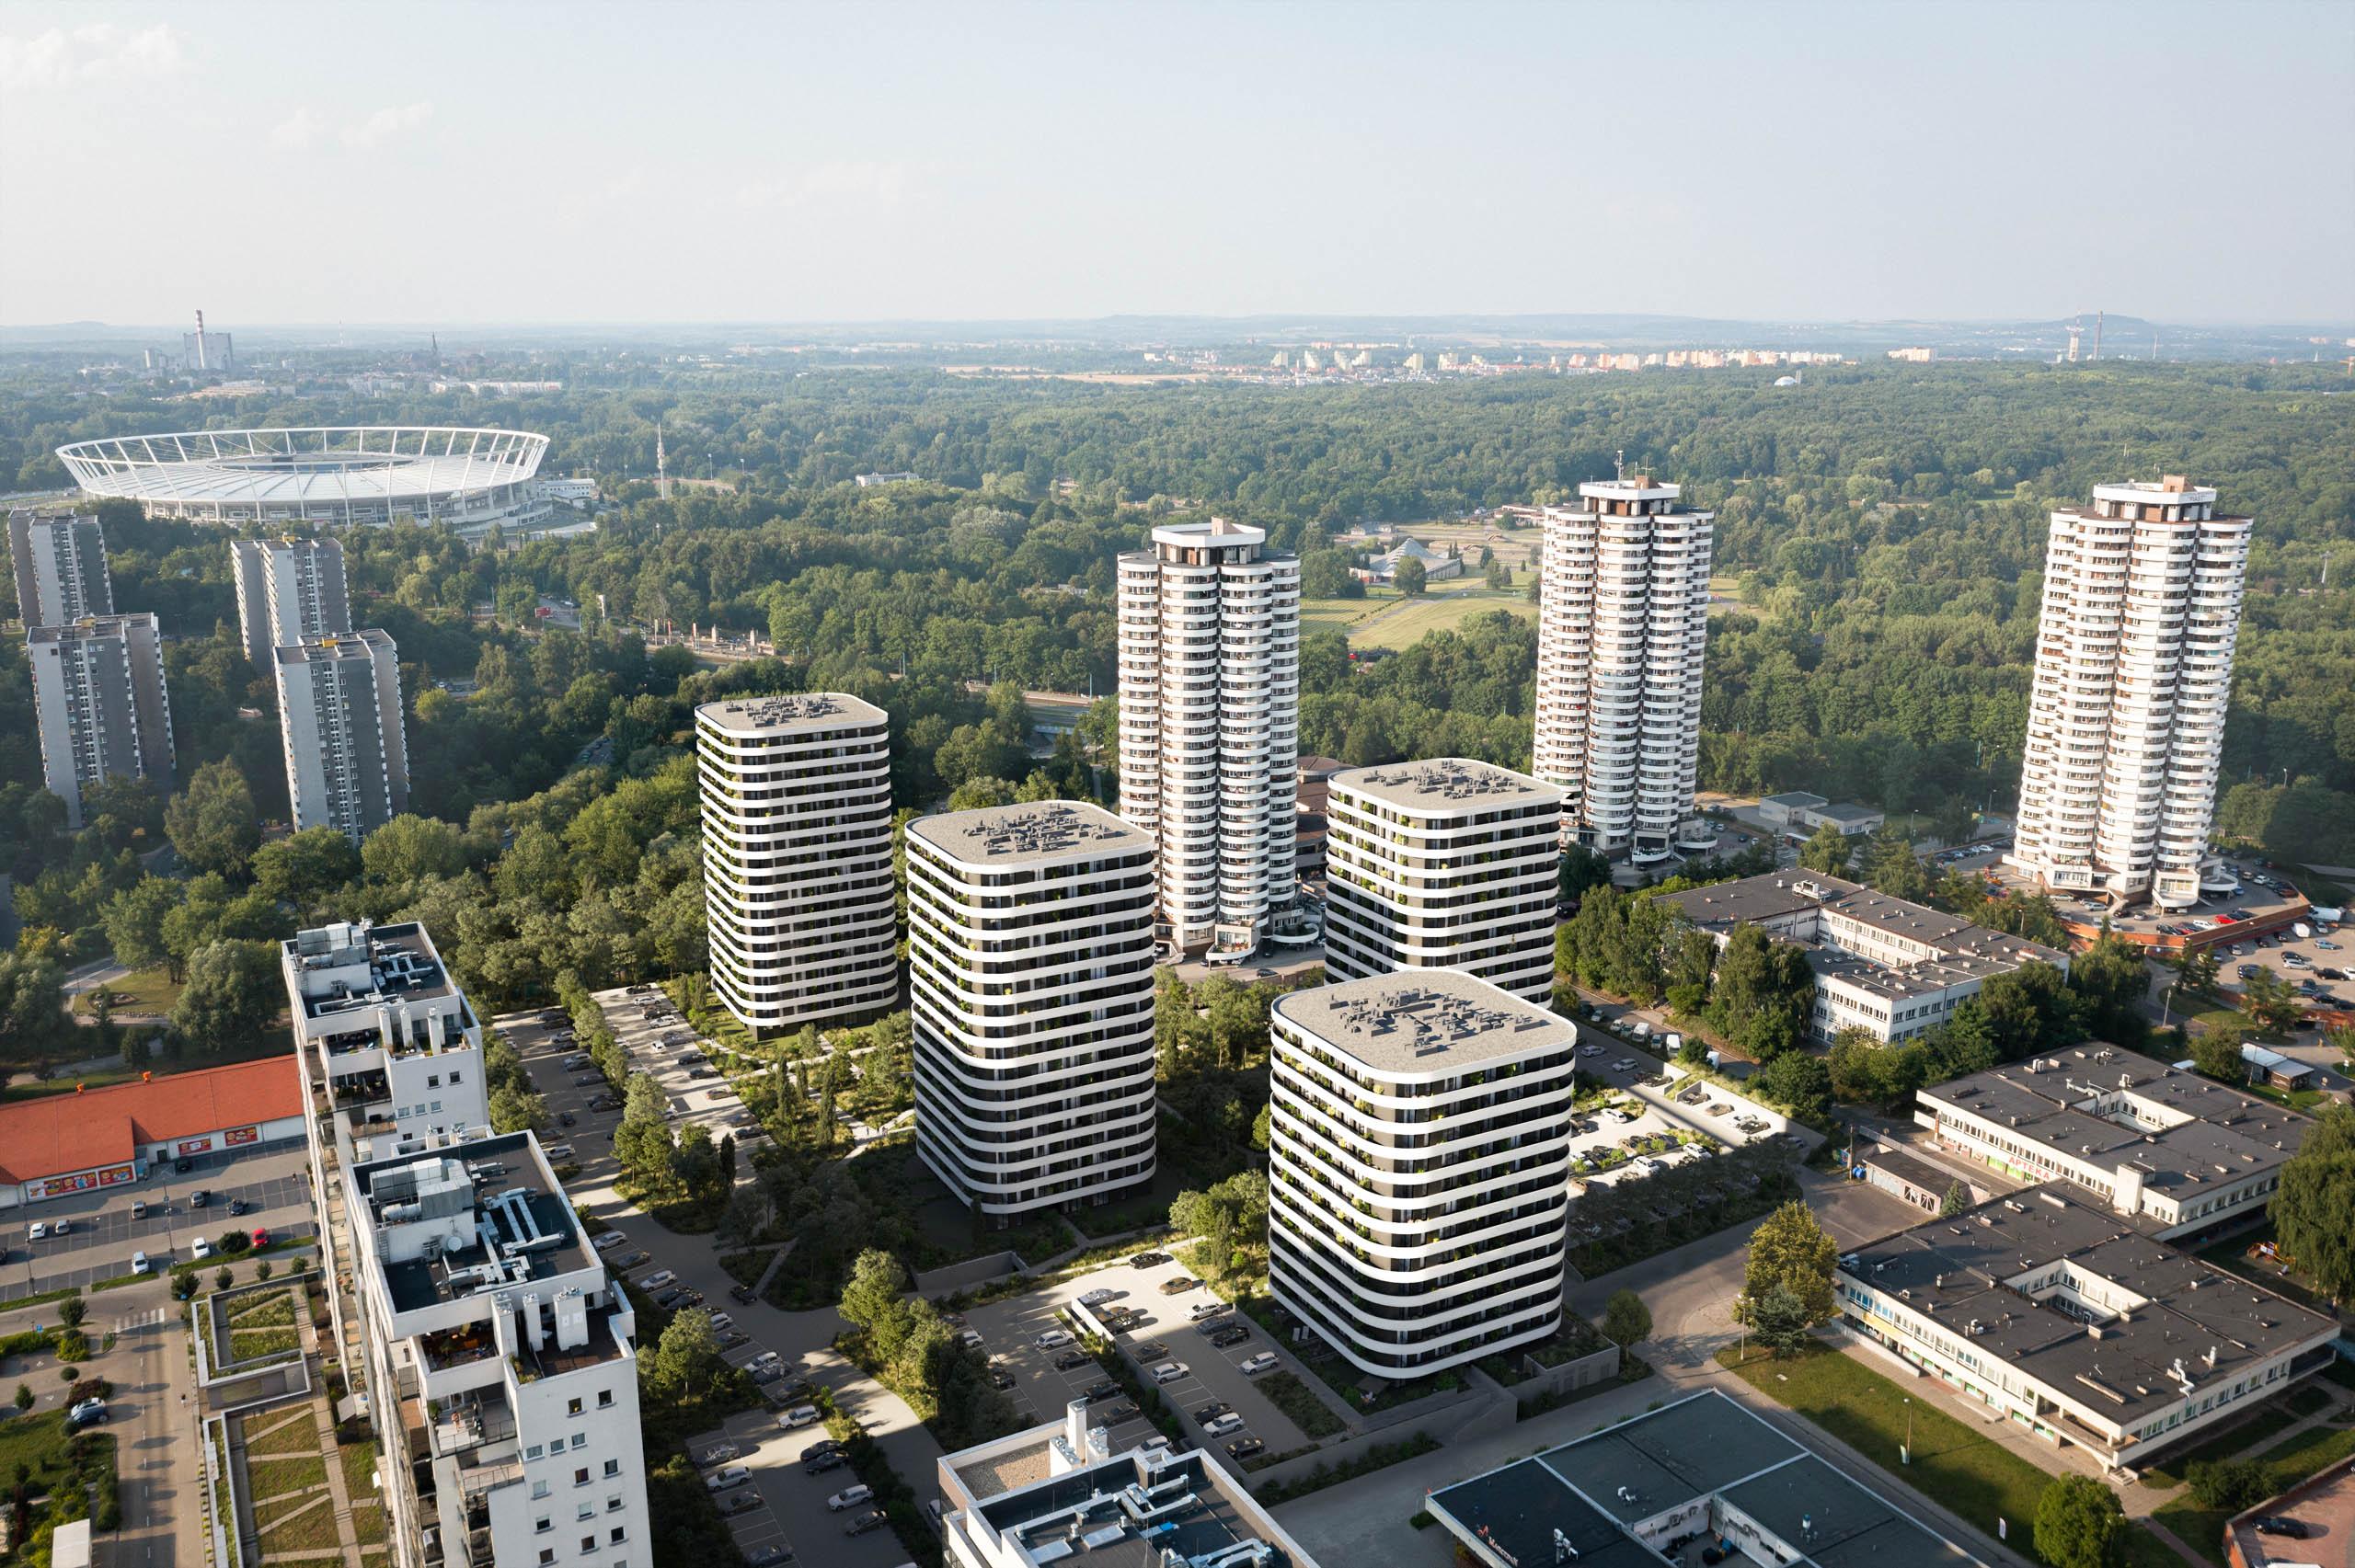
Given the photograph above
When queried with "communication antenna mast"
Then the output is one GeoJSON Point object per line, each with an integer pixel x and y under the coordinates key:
{"type": "Point", "coordinates": [202, 362]}
{"type": "Point", "coordinates": [661, 467]}
{"type": "Point", "coordinates": [2098, 318]}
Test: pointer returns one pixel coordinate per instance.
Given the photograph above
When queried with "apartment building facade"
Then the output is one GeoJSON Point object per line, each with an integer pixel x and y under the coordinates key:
{"type": "Point", "coordinates": [59, 560]}
{"type": "Point", "coordinates": [341, 727]}
{"type": "Point", "coordinates": [1450, 863]}
{"type": "Point", "coordinates": [2141, 612]}
{"type": "Point", "coordinates": [1622, 626]}
{"type": "Point", "coordinates": [798, 892]}
{"type": "Point", "coordinates": [100, 706]}
{"type": "Point", "coordinates": [1418, 1168]}
{"type": "Point", "coordinates": [288, 589]}
{"type": "Point", "coordinates": [1030, 958]}
{"type": "Point", "coordinates": [1210, 726]}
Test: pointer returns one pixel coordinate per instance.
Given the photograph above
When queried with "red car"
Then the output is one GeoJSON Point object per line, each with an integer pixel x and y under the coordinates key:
{"type": "Point", "coordinates": [262, 1236]}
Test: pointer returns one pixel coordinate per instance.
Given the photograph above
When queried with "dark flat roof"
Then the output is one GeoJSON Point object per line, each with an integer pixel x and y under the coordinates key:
{"type": "Point", "coordinates": [1522, 1505]}
{"type": "Point", "coordinates": [1209, 1522]}
{"type": "Point", "coordinates": [1837, 1523]}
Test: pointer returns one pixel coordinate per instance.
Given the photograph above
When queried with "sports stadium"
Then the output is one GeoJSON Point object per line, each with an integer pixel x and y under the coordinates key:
{"type": "Point", "coordinates": [342, 474]}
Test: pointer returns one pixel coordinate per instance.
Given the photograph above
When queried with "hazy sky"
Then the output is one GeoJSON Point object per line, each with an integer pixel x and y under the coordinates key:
{"type": "Point", "coordinates": [424, 163]}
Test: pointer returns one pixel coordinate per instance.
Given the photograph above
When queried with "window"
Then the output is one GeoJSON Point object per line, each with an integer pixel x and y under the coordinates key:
{"type": "Point", "coordinates": [612, 1505]}
{"type": "Point", "coordinates": [534, 1451]}
{"type": "Point", "coordinates": [580, 1439]}
{"type": "Point", "coordinates": [433, 1081]}
{"type": "Point", "coordinates": [572, 1407]}
{"type": "Point", "coordinates": [539, 1490]}
{"type": "Point", "coordinates": [581, 1476]}
{"type": "Point", "coordinates": [604, 1399]}
{"type": "Point", "coordinates": [613, 1467]}
{"type": "Point", "coordinates": [588, 1544]}
{"type": "Point", "coordinates": [542, 1526]}
{"type": "Point", "coordinates": [583, 1514]}
{"type": "Point", "coordinates": [619, 1535]}
{"type": "Point", "coordinates": [547, 1554]}
{"type": "Point", "coordinates": [456, 1079]}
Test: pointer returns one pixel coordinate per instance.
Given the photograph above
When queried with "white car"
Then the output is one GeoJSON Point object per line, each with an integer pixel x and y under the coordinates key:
{"type": "Point", "coordinates": [1053, 1339]}
{"type": "Point", "coordinates": [719, 1454]}
{"type": "Point", "coordinates": [1590, 1049]}
{"type": "Point", "coordinates": [800, 1415]}
{"type": "Point", "coordinates": [1226, 1425]}
{"type": "Point", "coordinates": [199, 1248]}
{"type": "Point", "coordinates": [558, 1153]}
{"type": "Point", "coordinates": [1263, 1362]}
{"type": "Point", "coordinates": [40, 1231]}
{"type": "Point", "coordinates": [1098, 1297]}
{"type": "Point", "coordinates": [139, 1263]}
{"type": "Point", "coordinates": [1170, 1371]}
{"type": "Point", "coordinates": [721, 1322]}
{"type": "Point", "coordinates": [658, 1279]}
{"type": "Point", "coordinates": [849, 1497]}
{"type": "Point", "coordinates": [721, 1480]}
{"type": "Point", "coordinates": [605, 1241]}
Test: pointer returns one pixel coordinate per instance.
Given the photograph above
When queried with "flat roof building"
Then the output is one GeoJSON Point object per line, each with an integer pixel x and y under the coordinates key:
{"type": "Point", "coordinates": [798, 892]}
{"type": "Point", "coordinates": [1893, 968]}
{"type": "Point", "coordinates": [58, 1145]}
{"type": "Point", "coordinates": [343, 733]}
{"type": "Point", "coordinates": [2063, 1310]}
{"type": "Point", "coordinates": [1704, 1467]}
{"type": "Point", "coordinates": [499, 1360]}
{"type": "Point", "coordinates": [1450, 863]}
{"type": "Point", "coordinates": [288, 589]}
{"type": "Point", "coordinates": [1418, 1168]}
{"type": "Point", "coordinates": [1030, 985]}
{"type": "Point", "coordinates": [1022, 1501]}
{"type": "Point", "coordinates": [101, 706]}
{"type": "Point", "coordinates": [2183, 1153]}
{"type": "Point", "coordinates": [60, 559]}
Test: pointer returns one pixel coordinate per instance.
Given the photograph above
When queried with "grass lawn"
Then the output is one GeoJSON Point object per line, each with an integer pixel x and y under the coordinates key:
{"type": "Point", "coordinates": [2291, 1462]}
{"type": "Point", "coordinates": [2246, 1438]}
{"type": "Point", "coordinates": [140, 991]}
{"type": "Point", "coordinates": [1299, 1401]}
{"type": "Point", "coordinates": [1443, 609]}
{"type": "Point", "coordinates": [269, 1477]}
{"type": "Point", "coordinates": [1954, 1463]}
{"type": "Point", "coordinates": [36, 1441]}
{"type": "Point", "coordinates": [298, 1435]}
{"type": "Point", "coordinates": [312, 1530]}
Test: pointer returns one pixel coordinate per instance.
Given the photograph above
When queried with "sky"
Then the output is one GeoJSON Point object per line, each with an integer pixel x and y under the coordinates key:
{"type": "Point", "coordinates": [422, 162]}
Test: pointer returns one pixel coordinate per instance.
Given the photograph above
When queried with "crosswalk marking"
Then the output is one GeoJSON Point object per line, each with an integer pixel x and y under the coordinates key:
{"type": "Point", "coordinates": [140, 1320]}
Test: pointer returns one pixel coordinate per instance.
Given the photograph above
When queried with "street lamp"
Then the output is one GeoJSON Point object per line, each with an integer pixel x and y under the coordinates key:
{"type": "Point", "coordinates": [1905, 1454]}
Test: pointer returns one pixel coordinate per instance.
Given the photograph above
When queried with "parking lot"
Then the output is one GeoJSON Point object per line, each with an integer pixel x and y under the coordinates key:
{"type": "Point", "coordinates": [1010, 1329]}
{"type": "Point", "coordinates": [793, 1514]}
{"type": "Point", "coordinates": [269, 1182]}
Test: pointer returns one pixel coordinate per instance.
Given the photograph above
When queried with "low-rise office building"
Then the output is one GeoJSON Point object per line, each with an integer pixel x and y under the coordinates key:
{"type": "Point", "coordinates": [2181, 1151]}
{"type": "Point", "coordinates": [1892, 968]}
{"type": "Point", "coordinates": [1030, 987]}
{"type": "Point", "coordinates": [1418, 1168]}
{"type": "Point", "coordinates": [1446, 863]}
{"type": "Point", "coordinates": [499, 1360]}
{"type": "Point", "coordinates": [1700, 1469]}
{"type": "Point", "coordinates": [2064, 1310]}
{"type": "Point", "coordinates": [1021, 1500]}
{"type": "Point", "coordinates": [62, 1144]}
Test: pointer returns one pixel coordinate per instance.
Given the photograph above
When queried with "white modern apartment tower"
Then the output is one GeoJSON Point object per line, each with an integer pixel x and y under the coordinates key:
{"type": "Point", "coordinates": [60, 559]}
{"type": "Point", "coordinates": [2133, 673]}
{"type": "Point", "coordinates": [798, 893]}
{"type": "Point", "coordinates": [1621, 629]}
{"type": "Point", "coordinates": [1031, 982]}
{"type": "Point", "coordinates": [501, 1363]}
{"type": "Point", "coordinates": [100, 706]}
{"type": "Point", "coordinates": [339, 720]}
{"type": "Point", "coordinates": [1446, 863]}
{"type": "Point", "coordinates": [1418, 1168]}
{"type": "Point", "coordinates": [288, 589]}
{"type": "Point", "coordinates": [1210, 726]}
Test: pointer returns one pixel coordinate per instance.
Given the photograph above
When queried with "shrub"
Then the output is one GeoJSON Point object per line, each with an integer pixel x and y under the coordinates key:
{"type": "Point", "coordinates": [2229, 1485]}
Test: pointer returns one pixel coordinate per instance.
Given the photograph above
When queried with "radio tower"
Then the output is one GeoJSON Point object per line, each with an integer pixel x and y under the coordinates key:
{"type": "Point", "coordinates": [201, 358]}
{"type": "Point", "coordinates": [662, 468]}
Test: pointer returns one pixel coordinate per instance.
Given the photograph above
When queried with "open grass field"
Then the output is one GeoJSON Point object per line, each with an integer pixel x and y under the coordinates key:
{"type": "Point", "coordinates": [1402, 624]}
{"type": "Point", "coordinates": [143, 992]}
{"type": "Point", "coordinates": [2287, 1463]}
{"type": "Point", "coordinates": [1953, 1464]}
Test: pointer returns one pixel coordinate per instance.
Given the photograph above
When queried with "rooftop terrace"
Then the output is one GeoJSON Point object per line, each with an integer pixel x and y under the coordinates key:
{"type": "Point", "coordinates": [1049, 831]}
{"type": "Point", "coordinates": [1445, 783]}
{"type": "Point", "coordinates": [1128, 1511]}
{"type": "Point", "coordinates": [791, 711]}
{"type": "Point", "coordinates": [1427, 1021]}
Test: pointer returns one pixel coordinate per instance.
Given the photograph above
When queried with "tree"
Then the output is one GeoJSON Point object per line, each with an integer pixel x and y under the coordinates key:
{"type": "Point", "coordinates": [34, 1025]}
{"type": "Point", "coordinates": [24, 1396]}
{"type": "Point", "coordinates": [1826, 850]}
{"type": "Point", "coordinates": [685, 1357]}
{"type": "Point", "coordinates": [303, 869]}
{"type": "Point", "coordinates": [2316, 1195]}
{"type": "Point", "coordinates": [2273, 1002]}
{"type": "Point", "coordinates": [223, 1280]}
{"type": "Point", "coordinates": [1800, 1084]}
{"type": "Point", "coordinates": [1625, 1319]}
{"type": "Point", "coordinates": [2229, 1485]}
{"type": "Point", "coordinates": [876, 1284]}
{"type": "Point", "coordinates": [134, 923]}
{"type": "Point", "coordinates": [1779, 1319]}
{"type": "Point", "coordinates": [2078, 1521]}
{"type": "Point", "coordinates": [1956, 1199]}
{"type": "Point", "coordinates": [232, 994]}
{"type": "Point", "coordinates": [212, 823]}
{"type": "Point", "coordinates": [1891, 866]}
{"type": "Point", "coordinates": [263, 1269]}
{"type": "Point", "coordinates": [2218, 1056]}
{"type": "Point", "coordinates": [410, 849]}
{"type": "Point", "coordinates": [72, 1311]}
{"type": "Point", "coordinates": [2110, 983]}
{"type": "Point", "coordinates": [2197, 970]}
{"type": "Point", "coordinates": [1581, 868]}
{"type": "Point", "coordinates": [1790, 1249]}
{"type": "Point", "coordinates": [1409, 577]}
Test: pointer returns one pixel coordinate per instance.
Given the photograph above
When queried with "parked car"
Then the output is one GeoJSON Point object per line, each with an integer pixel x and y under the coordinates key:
{"type": "Point", "coordinates": [2281, 1525]}
{"type": "Point", "coordinates": [1170, 1371]}
{"type": "Point", "coordinates": [660, 1278]}
{"type": "Point", "coordinates": [1071, 1358]}
{"type": "Point", "coordinates": [768, 1556]}
{"type": "Point", "coordinates": [39, 1232]}
{"type": "Point", "coordinates": [1230, 1336]}
{"type": "Point", "coordinates": [1245, 1449]}
{"type": "Point", "coordinates": [1253, 1365]}
{"type": "Point", "coordinates": [1121, 1412]}
{"type": "Point", "coordinates": [1205, 1414]}
{"type": "Point", "coordinates": [849, 1497]}
{"type": "Point", "coordinates": [567, 1118]}
{"type": "Point", "coordinates": [1001, 1379]}
{"type": "Point", "coordinates": [1148, 1260]}
{"type": "Point", "coordinates": [969, 1338]}
{"type": "Point", "coordinates": [1098, 1297]}
{"type": "Point", "coordinates": [1208, 1309]}
{"type": "Point", "coordinates": [632, 1260]}
{"type": "Point", "coordinates": [199, 1248]}
{"type": "Point", "coordinates": [820, 1464]}
{"type": "Point", "coordinates": [1224, 1426]}
{"type": "Point", "coordinates": [1049, 1340]}
{"type": "Point", "coordinates": [1178, 1285]}
{"type": "Point", "coordinates": [742, 1502]}
{"type": "Point", "coordinates": [744, 1293]}
{"type": "Point", "coordinates": [800, 1415]}
{"type": "Point", "coordinates": [88, 1413]}
{"type": "Point", "coordinates": [1097, 1392]}
{"type": "Point", "coordinates": [237, 1206]}
{"type": "Point", "coordinates": [873, 1519]}
{"type": "Point", "coordinates": [261, 1235]}
{"type": "Point", "coordinates": [139, 1263]}
{"type": "Point", "coordinates": [606, 1240]}
{"type": "Point", "coordinates": [1152, 1351]}
{"type": "Point", "coordinates": [718, 1454]}
{"type": "Point", "coordinates": [721, 1481]}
